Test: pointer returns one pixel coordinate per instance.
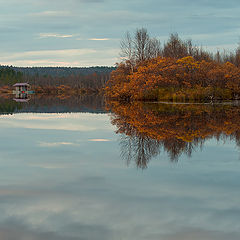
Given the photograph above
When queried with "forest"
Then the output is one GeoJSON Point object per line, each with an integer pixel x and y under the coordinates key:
{"type": "Point", "coordinates": [9, 76]}
{"type": "Point", "coordinates": [56, 80]}
{"type": "Point", "coordinates": [62, 71]}
{"type": "Point", "coordinates": [176, 71]}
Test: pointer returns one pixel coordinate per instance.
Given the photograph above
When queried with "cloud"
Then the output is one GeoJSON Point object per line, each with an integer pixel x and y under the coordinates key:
{"type": "Point", "coordinates": [12, 230]}
{"type": "Point", "coordinates": [55, 35]}
{"type": "Point", "coordinates": [16, 230]}
{"type": "Point", "coordinates": [99, 39]}
{"type": "Point", "coordinates": [60, 52]}
{"type": "Point", "coordinates": [46, 63]}
{"type": "Point", "coordinates": [66, 57]}
{"type": "Point", "coordinates": [191, 233]}
{"type": "Point", "coordinates": [55, 144]}
{"type": "Point", "coordinates": [51, 14]}
{"type": "Point", "coordinates": [99, 140]}
{"type": "Point", "coordinates": [51, 165]}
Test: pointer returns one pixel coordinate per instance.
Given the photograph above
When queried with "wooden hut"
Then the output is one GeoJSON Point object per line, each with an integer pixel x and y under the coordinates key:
{"type": "Point", "coordinates": [22, 92]}
{"type": "Point", "coordinates": [22, 87]}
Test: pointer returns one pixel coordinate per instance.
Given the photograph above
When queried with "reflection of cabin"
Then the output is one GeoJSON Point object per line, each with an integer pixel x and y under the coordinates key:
{"type": "Point", "coordinates": [21, 92]}
{"type": "Point", "coordinates": [22, 98]}
{"type": "Point", "coordinates": [22, 87]}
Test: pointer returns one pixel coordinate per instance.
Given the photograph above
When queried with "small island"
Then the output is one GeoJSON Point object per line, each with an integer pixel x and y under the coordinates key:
{"type": "Point", "coordinates": [178, 71]}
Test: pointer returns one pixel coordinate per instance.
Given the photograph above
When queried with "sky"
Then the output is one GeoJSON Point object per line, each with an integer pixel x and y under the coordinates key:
{"type": "Point", "coordinates": [87, 32]}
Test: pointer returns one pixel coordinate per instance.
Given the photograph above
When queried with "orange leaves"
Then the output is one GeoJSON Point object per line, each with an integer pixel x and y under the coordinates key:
{"type": "Point", "coordinates": [184, 73]}
{"type": "Point", "coordinates": [189, 62]}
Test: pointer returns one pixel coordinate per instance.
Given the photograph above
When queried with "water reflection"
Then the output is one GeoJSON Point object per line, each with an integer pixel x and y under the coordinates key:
{"type": "Point", "coordinates": [176, 128]}
{"type": "Point", "coordinates": [62, 176]}
{"type": "Point", "coordinates": [22, 97]}
{"type": "Point", "coordinates": [51, 104]}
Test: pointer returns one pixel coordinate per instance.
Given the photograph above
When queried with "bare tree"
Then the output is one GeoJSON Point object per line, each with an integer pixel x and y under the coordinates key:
{"type": "Point", "coordinates": [175, 47]}
{"type": "Point", "coordinates": [141, 43]}
{"type": "Point", "coordinates": [140, 47]}
{"type": "Point", "coordinates": [153, 48]}
{"type": "Point", "coordinates": [127, 51]}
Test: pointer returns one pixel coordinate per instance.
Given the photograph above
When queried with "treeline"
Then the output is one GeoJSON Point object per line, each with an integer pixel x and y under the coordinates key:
{"type": "Point", "coordinates": [51, 80]}
{"type": "Point", "coordinates": [93, 82]}
{"type": "Point", "coordinates": [141, 47]}
{"type": "Point", "coordinates": [9, 76]}
{"type": "Point", "coordinates": [178, 70]}
{"type": "Point", "coordinates": [63, 71]}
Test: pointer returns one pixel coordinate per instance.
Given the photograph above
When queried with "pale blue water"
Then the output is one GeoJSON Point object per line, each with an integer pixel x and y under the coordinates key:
{"type": "Point", "coordinates": [62, 177]}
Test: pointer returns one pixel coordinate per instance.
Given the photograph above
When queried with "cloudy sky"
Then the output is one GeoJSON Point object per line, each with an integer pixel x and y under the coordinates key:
{"type": "Point", "coordinates": [87, 32]}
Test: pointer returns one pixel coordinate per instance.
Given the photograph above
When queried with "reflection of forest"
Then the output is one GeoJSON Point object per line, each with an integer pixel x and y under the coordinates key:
{"type": "Point", "coordinates": [52, 104]}
{"type": "Point", "coordinates": [178, 128]}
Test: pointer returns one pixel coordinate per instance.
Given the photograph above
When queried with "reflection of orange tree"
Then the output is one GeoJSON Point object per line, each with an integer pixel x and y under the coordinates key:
{"type": "Point", "coordinates": [177, 128]}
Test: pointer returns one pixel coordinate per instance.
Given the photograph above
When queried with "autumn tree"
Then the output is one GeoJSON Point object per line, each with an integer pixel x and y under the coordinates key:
{"type": "Point", "coordinates": [179, 71]}
{"type": "Point", "coordinates": [175, 47]}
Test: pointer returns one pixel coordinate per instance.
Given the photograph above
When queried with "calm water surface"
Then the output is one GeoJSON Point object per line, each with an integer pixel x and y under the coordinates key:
{"type": "Point", "coordinates": [72, 170]}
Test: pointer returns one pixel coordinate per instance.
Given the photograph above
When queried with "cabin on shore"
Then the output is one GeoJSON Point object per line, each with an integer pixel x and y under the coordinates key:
{"type": "Point", "coordinates": [22, 92]}
{"type": "Point", "coordinates": [22, 87]}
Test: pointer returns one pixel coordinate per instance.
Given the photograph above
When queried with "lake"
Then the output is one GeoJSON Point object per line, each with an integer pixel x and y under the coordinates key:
{"type": "Point", "coordinates": [82, 168]}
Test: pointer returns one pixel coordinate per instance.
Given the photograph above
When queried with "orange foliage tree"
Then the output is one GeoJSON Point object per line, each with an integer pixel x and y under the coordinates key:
{"type": "Point", "coordinates": [176, 71]}
{"type": "Point", "coordinates": [216, 80]}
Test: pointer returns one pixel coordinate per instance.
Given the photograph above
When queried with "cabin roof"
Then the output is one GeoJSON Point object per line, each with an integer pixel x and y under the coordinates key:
{"type": "Point", "coordinates": [21, 84]}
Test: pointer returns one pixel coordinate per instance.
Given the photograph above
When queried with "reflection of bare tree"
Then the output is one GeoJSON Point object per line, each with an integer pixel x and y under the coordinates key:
{"type": "Point", "coordinates": [139, 148]}
{"type": "Point", "coordinates": [176, 147]}
{"type": "Point", "coordinates": [177, 129]}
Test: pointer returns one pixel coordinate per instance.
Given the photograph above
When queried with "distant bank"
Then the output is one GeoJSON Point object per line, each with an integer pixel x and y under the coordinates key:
{"type": "Point", "coordinates": [56, 80]}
